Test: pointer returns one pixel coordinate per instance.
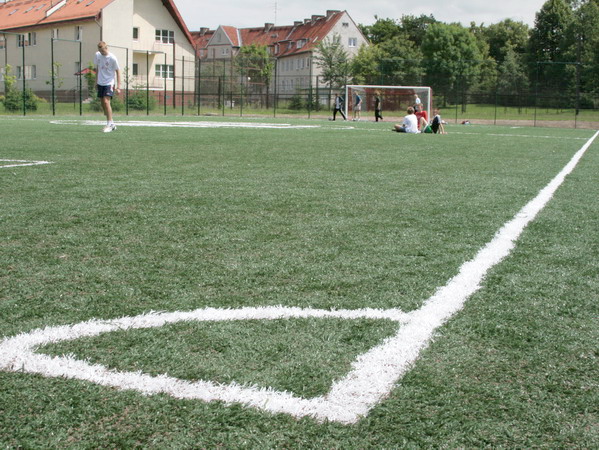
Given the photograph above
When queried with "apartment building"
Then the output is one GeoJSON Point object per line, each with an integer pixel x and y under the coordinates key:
{"type": "Point", "coordinates": [292, 46]}
{"type": "Point", "coordinates": [149, 37]}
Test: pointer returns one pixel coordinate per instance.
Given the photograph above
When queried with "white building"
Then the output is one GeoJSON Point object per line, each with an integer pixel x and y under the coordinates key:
{"type": "Point", "coordinates": [293, 46]}
{"type": "Point", "coordinates": [149, 37]}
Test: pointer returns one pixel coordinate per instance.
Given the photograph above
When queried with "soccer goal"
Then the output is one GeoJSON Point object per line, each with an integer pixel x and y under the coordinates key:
{"type": "Point", "coordinates": [395, 100]}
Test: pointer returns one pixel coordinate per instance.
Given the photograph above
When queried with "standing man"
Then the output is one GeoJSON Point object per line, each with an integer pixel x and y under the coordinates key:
{"type": "Point", "coordinates": [417, 102]}
{"type": "Point", "coordinates": [339, 106]}
{"type": "Point", "coordinates": [107, 68]}
{"type": "Point", "coordinates": [358, 107]}
{"type": "Point", "coordinates": [378, 106]}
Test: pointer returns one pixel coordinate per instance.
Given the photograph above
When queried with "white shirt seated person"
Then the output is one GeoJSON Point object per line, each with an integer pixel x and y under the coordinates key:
{"type": "Point", "coordinates": [409, 124]}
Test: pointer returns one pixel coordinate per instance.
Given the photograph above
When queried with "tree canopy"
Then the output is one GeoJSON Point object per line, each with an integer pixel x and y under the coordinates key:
{"type": "Point", "coordinates": [559, 53]}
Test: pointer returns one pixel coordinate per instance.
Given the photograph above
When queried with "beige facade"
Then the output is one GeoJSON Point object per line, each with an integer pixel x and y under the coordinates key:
{"type": "Point", "coordinates": [293, 47]}
{"type": "Point", "coordinates": [149, 39]}
{"type": "Point", "coordinates": [298, 70]}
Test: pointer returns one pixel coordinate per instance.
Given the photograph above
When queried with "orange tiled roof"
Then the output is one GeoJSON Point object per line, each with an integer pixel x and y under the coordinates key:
{"type": "Point", "coordinates": [17, 14]}
{"type": "Point", "coordinates": [202, 37]}
{"type": "Point", "coordinates": [26, 13]}
{"type": "Point", "coordinates": [312, 31]}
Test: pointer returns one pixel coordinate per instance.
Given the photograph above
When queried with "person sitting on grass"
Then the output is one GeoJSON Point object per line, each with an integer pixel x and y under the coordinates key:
{"type": "Point", "coordinates": [438, 124]}
{"type": "Point", "coordinates": [421, 117]}
{"type": "Point", "coordinates": [409, 124]}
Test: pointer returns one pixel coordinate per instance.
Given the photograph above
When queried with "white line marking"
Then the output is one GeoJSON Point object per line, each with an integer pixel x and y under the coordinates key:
{"type": "Point", "coordinates": [373, 374]}
{"type": "Point", "coordinates": [203, 124]}
{"type": "Point", "coordinates": [21, 163]}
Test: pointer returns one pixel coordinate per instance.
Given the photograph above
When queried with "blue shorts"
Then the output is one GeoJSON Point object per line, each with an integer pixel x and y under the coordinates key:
{"type": "Point", "coordinates": [105, 91]}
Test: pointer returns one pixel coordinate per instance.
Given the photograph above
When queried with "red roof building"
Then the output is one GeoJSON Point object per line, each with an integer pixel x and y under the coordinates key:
{"type": "Point", "coordinates": [293, 46]}
{"type": "Point", "coordinates": [146, 36]}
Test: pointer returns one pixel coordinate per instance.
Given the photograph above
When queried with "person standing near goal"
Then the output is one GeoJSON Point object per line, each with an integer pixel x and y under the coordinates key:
{"type": "Point", "coordinates": [417, 102]}
{"type": "Point", "coordinates": [378, 107]}
{"type": "Point", "coordinates": [338, 107]}
{"type": "Point", "coordinates": [358, 107]}
{"type": "Point", "coordinates": [107, 69]}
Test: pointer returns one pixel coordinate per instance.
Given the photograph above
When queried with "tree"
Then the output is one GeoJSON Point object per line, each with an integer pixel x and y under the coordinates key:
{"type": "Point", "coordinates": [415, 27]}
{"type": "Point", "coordinates": [452, 58]}
{"type": "Point", "coordinates": [504, 36]}
{"type": "Point", "coordinates": [547, 44]}
{"type": "Point", "coordinates": [255, 62]}
{"type": "Point", "coordinates": [333, 60]}
{"type": "Point", "coordinates": [582, 40]}
{"type": "Point", "coordinates": [512, 79]}
{"type": "Point", "coordinates": [402, 62]}
{"type": "Point", "coordinates": [382, 30]}
{"type": "Point", "coordinates": [487, 74]}
{"type": "Point", "coordinates": [366, 65]}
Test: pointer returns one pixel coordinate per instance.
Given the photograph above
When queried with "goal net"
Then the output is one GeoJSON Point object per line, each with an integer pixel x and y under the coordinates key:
{"type": "Point", "coordinates": [394, 100]}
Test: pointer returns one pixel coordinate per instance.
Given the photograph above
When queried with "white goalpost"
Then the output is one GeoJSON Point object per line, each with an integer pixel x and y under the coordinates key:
{"type": "Point", "coordinates": [394, 100]}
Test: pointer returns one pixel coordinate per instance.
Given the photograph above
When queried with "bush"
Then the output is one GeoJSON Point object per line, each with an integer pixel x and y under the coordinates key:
{"type": "Point", "coordinates": [13, 101]}
{"type": "Point", "coordinates": [296, 102]}
{"type": "Point", "coordinates": [138, 100]}
{"type": "Point", "coordinates": [13, 98]}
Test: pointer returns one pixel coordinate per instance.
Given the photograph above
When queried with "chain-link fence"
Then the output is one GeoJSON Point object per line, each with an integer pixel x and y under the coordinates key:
{"type": "Point", "coordinates": [536, 94]}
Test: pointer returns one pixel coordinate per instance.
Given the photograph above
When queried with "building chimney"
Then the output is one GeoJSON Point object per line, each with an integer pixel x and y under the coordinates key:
{"type": "Point", "coordinates": [332, 12]}
{"type": "Point", "coordinates": [297, 23]}
{"type": "Point", "coordinates": [268, 27]}
{"type": "Point", "coordinates": [204, 30]}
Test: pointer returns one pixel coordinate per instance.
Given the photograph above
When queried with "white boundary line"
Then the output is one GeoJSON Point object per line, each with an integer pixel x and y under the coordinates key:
{"type": "Point", "coordinates": [199, 124]}
{"type": "Point", "coordinates": [371, 378]}
{"type": "Point", "coordinates": [21, 163]}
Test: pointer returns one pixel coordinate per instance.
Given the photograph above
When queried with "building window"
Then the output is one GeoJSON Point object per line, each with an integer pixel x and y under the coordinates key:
{"type": "Point", "coordinates": [30, 72]}
{"type": "Point", "coordinates": [165, 71]}
{"type": "Point", "coordinates": [25, 40]}
{"type": "Point", "coordinates": [165, 36]}
{"type": "Point", "coordinates": [136, 33]}
{"type": "Point", "coordinates": [55, 33]}
{"type": "Point", "coordinates": [135, 69]}
{"type": "Point", "coordinates": [353, 42]}
{"type": "Point", "coordinates": [225, 51]}
{"type": "Point", "coordinates": [2, 42]}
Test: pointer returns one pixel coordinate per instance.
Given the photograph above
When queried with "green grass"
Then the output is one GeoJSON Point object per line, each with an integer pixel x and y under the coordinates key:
{"type": "Point", "coordinates": [511, 113]}
{"type": "Point", "coordinates": [451, 113]}
{"type": "Point", "coordinates": [168, 219]}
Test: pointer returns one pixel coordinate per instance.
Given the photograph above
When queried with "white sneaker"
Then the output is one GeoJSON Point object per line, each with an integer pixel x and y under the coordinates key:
{"type": "Point", "coordinates": [109, 128]}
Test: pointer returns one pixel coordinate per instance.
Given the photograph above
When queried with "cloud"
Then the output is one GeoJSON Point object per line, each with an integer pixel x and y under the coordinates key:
{"type": "Point", "coordinates": [246, 13]}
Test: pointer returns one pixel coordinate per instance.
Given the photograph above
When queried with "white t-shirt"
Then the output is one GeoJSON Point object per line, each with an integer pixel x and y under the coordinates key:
{"type": "Point", "coordinates": [410, 123]}
{"type": "Point", "coordinates": [107, 67]}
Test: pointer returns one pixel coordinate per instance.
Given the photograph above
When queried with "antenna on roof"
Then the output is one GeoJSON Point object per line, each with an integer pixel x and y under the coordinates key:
{"type": "Point", "coordinates": [275, 12]}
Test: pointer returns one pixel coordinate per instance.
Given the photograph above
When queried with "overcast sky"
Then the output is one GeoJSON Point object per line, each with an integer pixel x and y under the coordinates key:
{"type": "Point", "coordinates": [252, 13]}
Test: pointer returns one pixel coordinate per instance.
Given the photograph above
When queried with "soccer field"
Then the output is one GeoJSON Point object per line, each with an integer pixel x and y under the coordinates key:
{"type": "Point", "coordinates": [261, 283]}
